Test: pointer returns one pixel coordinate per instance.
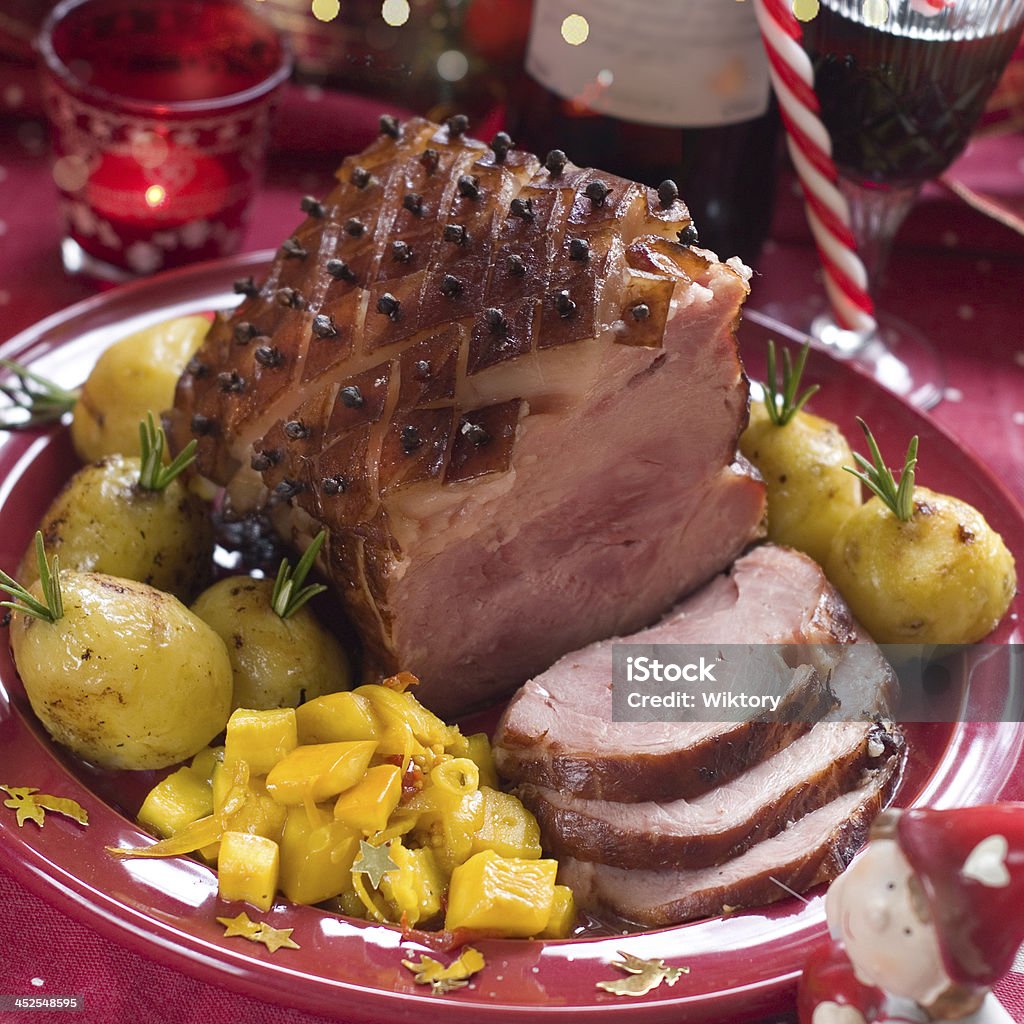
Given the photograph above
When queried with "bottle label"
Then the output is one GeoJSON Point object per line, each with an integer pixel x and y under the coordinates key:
{"type": "Point", "coordinates": [675, 63]}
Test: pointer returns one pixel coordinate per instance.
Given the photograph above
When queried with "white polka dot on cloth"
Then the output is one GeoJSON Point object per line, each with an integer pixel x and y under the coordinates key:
{"type": "Point", "coordinates": [38, 982]}
{"type": "Point", "coordinates": [1018, 418]}
{"type": "Point", "coordinates": [5, 297]}
{"type": "Point", "coordinates": [953, 395]}
{"type": "Point", "coordinates": [950, 239]}
{"type": "Point", "coordinates": [965, 312]}
{"type": "Point", "coordinates": [1018, 358]}
{"type": "Point", "coordinates": [3, 228]}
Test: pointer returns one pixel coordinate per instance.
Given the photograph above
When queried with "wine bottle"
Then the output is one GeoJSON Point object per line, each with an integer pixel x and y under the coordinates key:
{"type": "Point", "coordinates": [656, 89]}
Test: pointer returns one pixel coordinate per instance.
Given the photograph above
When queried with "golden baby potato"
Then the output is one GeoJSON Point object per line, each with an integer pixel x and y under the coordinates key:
{"type": "Point", "coordinates": [127, 676]}
{"type": "Point", "coordinates": [943, 576]}
{"type": "Point", "coordinates": [136, 375]}
{"type": "Point", "coordinates": [809, 494]}
{"type": "Point", "coordinates": [104, 521]}
{"type": "Point", "coordinates": [277, 662]}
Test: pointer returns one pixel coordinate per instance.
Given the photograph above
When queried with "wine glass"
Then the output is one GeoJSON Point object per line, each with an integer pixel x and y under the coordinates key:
{"type": "Point", "coordinates": [901, 85]}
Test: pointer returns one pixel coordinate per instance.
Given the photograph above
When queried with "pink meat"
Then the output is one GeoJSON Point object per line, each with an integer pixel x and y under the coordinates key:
{"type": "Point", "coordinates": [558, 731]}
{"type": "Point", "coordinates": [506, 391]}
{"type": "Point", "coordinates": [810, 850]}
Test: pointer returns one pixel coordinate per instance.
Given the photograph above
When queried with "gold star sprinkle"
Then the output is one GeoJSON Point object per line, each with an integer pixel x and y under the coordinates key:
{"type": "Point", "coordinates": [443, 979]}
{"type": "Point", "coordinates": [31, 805]}
{"type": "Point", "coordinates": [258, 931]}
{"type": "Point", "coordinates": [644, 976]}
{"type": "Point", "coordinates": [374, 862]}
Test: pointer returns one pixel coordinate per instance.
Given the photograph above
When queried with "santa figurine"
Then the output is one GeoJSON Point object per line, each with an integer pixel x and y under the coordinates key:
{"type": "Point", "coordinates": [924, 921]}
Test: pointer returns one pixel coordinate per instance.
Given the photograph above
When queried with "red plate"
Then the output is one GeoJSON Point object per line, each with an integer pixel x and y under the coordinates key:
{"type": "Point", "coordinates": [742, 967]}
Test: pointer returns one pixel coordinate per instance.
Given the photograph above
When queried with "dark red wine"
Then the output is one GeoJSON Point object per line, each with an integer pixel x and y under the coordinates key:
{"type": "Point", "coordinates": [622, 113]}
{"type": "Point", "coordinates": [900, 108]}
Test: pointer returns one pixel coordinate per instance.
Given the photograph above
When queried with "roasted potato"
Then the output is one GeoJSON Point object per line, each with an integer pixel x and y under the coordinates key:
{"type": "Point", "coordinates": [801, 459]}
{"type": "Point", "coordinates": [809, 494]}
{"type": "Point", "coordinates": [276, 662]}
{"type": "Point", "coordinates": [121, 674]}
{"type": "Point", "coordinates": [106, 519]}
{"type": "Point", "coordinates": [135, 375]}
{"type": "Point", "coordinates": [916, 566]}
{"type": "Point", "coordinates": [943, 576]}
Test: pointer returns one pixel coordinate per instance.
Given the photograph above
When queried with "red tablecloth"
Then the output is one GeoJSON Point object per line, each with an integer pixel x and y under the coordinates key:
{"type": "Point", "coordinates": [956, 274]}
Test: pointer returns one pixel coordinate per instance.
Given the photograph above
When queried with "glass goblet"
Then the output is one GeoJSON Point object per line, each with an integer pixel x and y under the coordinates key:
{"type": "Point", "coordinates": [901, 86]}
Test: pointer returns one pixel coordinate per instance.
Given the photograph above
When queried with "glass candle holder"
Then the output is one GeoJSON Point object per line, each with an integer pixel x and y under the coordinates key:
{"type": "Point", "coordinates": [160, 118]}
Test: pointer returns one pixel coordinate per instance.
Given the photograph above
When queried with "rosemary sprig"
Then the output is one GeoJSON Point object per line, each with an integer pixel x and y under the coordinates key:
{"type": "Point", "coordinates": [877, 476]}
{"type": "Point", "coordinates": [290, 593]}
{"type": "Point", "coordinates": [153, 474]}
{"type": "Point", "coordinates": [784, 404]}
{"type": "Point", "coordinates": [34, 399]}
{"type": "Point", "coordinates": [51, 608]}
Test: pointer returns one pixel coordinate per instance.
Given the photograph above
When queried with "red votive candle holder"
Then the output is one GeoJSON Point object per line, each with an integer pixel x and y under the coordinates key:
{"type": "Point", "coordinates": [160, 116]}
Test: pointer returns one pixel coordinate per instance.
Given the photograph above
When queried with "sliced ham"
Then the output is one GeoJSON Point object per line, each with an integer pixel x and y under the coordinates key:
{"type": "Point", "coordinates": [814, 769]}
{"type": "Point", "coordinates": [558, 731]}
{"type": "Point", "coordinates": [811, 850]}
{"type": "Point", "coordinates": [510, 396]}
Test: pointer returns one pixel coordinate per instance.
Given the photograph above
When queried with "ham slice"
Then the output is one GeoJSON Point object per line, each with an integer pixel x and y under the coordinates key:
{"type": "Point", "coordinates": [510, 396]}
{"type": "Point", "coordinates": [558, 731]}
{"type": "Point", "coordinates": [809, 851]}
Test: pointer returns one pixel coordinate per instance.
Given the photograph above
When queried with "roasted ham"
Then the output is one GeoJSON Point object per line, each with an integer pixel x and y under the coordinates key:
{"type": "Point", "coordinates": [809, 851]}
{"type": "Point", "coordinates": [664, 821]}
{"type": "Point", "coordinates": [558, 730]}
{"type": "Point", "coordinates": [508, 392]}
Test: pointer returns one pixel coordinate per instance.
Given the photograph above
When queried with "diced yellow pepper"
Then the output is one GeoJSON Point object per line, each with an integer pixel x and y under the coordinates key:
{"type": "Point", "coordinates": [503, 896]}
{"type": "Point", "coordinates": [416, 888]}
{"type": "Point", "coordinates": [260, 738]}
{"type": "Point", "coordinates": [480, 752]}
{"type": "Point", "coordinates": [179, 800]}
{"type": "Point", "coordinates": [246, 806]}
{"type": "Point", "coordinates": [508, 827]}
{"type": "Point", "coordinates": [248, 869]}
{"type": "Point", "coordinates": [398, 711]}
{"type": "Point", "coordinates": [336, 717]}
{"type": "Point", "coordinates": [563, 915]}
{"type": "Point", "coordinates": [319, 771]}
{"type": "Point", "coordinates": [371, 801]}
{"type": "Point", "coordinates": [316, 860]}
{"type": "Point", "coordinates": [204, 763]}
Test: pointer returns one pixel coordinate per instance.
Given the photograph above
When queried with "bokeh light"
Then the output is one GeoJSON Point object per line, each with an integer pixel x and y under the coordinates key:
{"type": "Point", "coordinates": [395, 12]}
{"type": "Point", "coordinates": [326, 10]}
{"type": "Point", "coordinates": [575, 29]}
{"type": "Point", "coordinates": [805, 10]}
{"type": "Point", "coordinates": [70, 173]}
{"type": "Point", "coordinates": [155, 195]}
{"type": "Point", "coordinates": [876, 12]}
{"type": "Point", "coordinates": [149, 149]}
{"type": "Point", "coordinates": [452, 65]}
{"type": "Point", "coordinates": [605, 77]}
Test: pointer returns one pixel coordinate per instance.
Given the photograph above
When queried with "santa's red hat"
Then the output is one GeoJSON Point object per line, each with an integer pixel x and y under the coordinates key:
{"type": "Point", "coordinates": [970, 863]}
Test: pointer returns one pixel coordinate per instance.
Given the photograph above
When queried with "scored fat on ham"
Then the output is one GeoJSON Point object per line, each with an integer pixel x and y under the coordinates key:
{"type": "Point", "coordinates": [508, 392]}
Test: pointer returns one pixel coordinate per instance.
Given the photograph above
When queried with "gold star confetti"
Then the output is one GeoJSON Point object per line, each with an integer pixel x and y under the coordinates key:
{"type": "Point", "coordinates": [272, 938]}
{"type": "Point", "coordinates": [374, 862]}
{"type": "Point", "coordinates": [443, 979]}
{"type": "Point", "coordinates": [31, 805]}
{"type": "Point", "coordinates": [645, 975]}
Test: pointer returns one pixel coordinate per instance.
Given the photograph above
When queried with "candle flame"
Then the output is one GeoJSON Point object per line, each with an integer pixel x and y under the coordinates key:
{"type": "Point", "coordinates": [155, 195]}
